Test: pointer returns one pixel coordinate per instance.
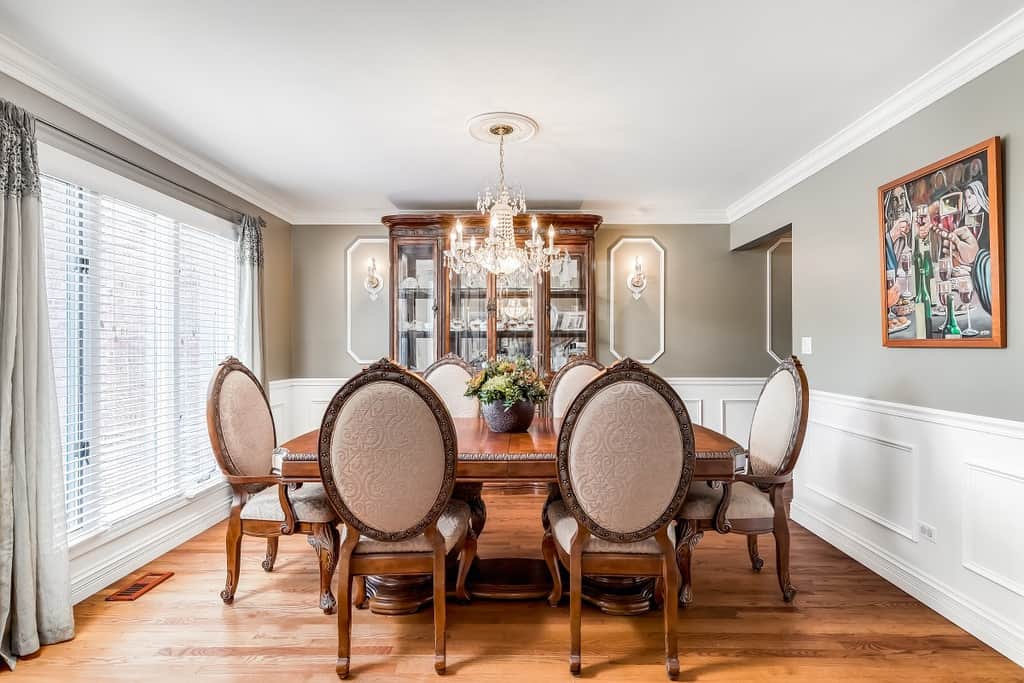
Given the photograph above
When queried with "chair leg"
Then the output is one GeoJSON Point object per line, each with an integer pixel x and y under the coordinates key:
{"type": "Point", "coordinates": [233, 546]}
{"type": "Point", "coordinates": [268, 561]}
{"type": "Point", "coordinates": [551, 558]}
{"type": "Point", "coordinates": [466, 558]}
{"type": "Point", "coordinates": [689, 537]}
{"type": "Point", "coordinates": [670, 576]}
{"type": "Point", "coordinates": [344, 624]}
{"type": "Point", "coordinates": [576, 598]}
{"type": "Point", "coordinates": [781, 533]}
{"type": "Point", "coordinates": [756, 562]}
{"type": "Point", "coordinates": [327, 547]}
{"type": "Point", "coordinates": [437, 541]}
{"type": "Point", "coordinates": [359, 592]}
{"type": "Point", "coordinates": [345, 595]}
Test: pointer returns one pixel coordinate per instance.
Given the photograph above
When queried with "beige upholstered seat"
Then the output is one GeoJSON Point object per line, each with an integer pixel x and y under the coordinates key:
{"type": "Point", "coordinates": [309, 503]}
{"type": "Point", "coordinates": [564, 527]}
{"type": "Point", "coordinates": [568, 384]}
{"type": "Point", "coordinates": [448, 378]}
{"type": "Point", "coordinates": [388, 466]}
{"type": "Point", "coordinates": [452, 524]}
{"type": "Point", "coordinates": [756, 503]}
{"type": "Point", "coordinates": [746, 502]}
{"type": "Point", "coordinates": [241, 429]}
{"type": "Point", "coordinates": [625, 460]}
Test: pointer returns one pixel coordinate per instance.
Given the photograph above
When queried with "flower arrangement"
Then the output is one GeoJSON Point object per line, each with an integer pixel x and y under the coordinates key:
{"type": "Point", "coordinates": [508, 382]}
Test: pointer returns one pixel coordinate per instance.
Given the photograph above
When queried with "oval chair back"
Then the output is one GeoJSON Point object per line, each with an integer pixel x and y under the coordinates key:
{"type": "Point", "coordinates": [387, 453]}
{"type": "Point", "coordinates": [239, 421]}
{"type": "Point", "coordinates": [625, 454]}
{"type": "Point", "coordinates": [567, 384]}
{"type": "Point", "coordinates": [780, 421]}
{"type": "Point", "coordinates": [448, 376]}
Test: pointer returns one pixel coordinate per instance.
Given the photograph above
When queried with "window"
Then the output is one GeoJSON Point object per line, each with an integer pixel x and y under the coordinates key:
{"type": "Point", "coordinates": [142, 308]}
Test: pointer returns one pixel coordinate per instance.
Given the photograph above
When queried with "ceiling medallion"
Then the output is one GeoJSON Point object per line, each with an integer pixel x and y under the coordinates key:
{"type": "Point", "coordinates": [499, 253]}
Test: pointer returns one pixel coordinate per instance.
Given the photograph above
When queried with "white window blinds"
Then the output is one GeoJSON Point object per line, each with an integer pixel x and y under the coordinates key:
{"type": "Point", "coordinates": [142, 308]}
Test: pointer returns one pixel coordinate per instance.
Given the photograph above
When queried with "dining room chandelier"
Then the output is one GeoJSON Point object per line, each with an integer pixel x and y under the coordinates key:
{"type": "Point", "coordinates": [498, 252]}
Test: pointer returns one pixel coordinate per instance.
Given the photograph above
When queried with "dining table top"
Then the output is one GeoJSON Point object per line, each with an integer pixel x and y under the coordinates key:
{"type": "Point", "coordinates": [485, 455]}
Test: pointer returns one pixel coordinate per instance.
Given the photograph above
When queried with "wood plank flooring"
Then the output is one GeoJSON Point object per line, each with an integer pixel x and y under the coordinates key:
{"type": "Point", "coordinates": [846, 624]}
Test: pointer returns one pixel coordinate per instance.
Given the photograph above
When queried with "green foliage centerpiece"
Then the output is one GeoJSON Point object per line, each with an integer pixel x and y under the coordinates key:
{"type": "Point", "coordinates": [508, 391]}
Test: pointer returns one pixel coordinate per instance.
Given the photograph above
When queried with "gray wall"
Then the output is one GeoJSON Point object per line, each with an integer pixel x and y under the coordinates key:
{"type": "Point", "coordinates": [714, 301]}
{"type": "Point", "coordinates": [278, 263]}
{"type": "Point", "coordinates": [782, 300]}
{"type": "Point", "coordinates": [836, 263]}
{"type": "Point", "coordinates": [715, 298]}
{"type": "Point", "coordinates": [318, 299]}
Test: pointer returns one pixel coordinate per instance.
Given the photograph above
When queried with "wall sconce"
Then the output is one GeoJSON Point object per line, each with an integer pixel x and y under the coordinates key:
{"type": "Point", "coordinates": [637, 280]}
{"type": "Point", "coordinates": [373, 282]}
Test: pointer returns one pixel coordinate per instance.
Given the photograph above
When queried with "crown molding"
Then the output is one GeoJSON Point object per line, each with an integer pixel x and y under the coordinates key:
{"type": "Point", "coordinates": [991, 48]}
{"type": "Point", "coordinates": [39, 74]}
{"type": "Point", "coordinates": [612, 216]}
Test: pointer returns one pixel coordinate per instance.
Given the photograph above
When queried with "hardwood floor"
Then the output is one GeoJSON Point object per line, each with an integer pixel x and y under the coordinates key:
{"type": "Point", "coordinates": [846, 624]}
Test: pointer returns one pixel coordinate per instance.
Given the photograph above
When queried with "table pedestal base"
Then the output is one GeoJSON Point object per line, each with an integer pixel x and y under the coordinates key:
{"type": "Point", "coordinates": [619, 595]}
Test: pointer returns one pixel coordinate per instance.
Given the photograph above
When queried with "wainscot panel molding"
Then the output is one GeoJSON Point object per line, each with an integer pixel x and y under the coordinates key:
{"type": "Point", "coordinates": [299, 404]}
{"type": "Point", "coordinates": [926, 498]}
{"type": "Point", "coordinates": [101, 559]}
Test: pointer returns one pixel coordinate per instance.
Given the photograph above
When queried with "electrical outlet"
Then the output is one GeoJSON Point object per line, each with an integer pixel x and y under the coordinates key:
{"type": "Point", "coordinates": [805, 346]}
{"type": "Point", "coordinates": [927, 531]}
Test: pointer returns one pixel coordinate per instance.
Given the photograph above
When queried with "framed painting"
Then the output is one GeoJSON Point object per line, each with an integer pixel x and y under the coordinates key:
{"type": "Point", "coordinates": [941, 247]}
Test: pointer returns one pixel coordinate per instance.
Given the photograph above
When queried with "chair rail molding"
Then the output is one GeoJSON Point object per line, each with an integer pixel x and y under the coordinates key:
{"type": "Point", "coordinates": [875, 474]}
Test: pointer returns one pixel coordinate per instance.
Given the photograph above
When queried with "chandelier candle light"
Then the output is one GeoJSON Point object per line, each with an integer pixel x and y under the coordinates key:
{"type": "Point", "coordinates": [499, 253]}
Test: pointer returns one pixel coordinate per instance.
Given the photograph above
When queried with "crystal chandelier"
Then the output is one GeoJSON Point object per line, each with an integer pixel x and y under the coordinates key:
{"type": "Point", "coordinates": [499, 253]}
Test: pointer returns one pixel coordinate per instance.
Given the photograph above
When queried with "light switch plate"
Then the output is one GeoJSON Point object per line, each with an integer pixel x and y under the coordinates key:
{"type": "Point", "coordinates": [805, 346]}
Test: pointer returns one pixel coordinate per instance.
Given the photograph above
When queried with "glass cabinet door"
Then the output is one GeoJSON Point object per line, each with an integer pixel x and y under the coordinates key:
{"type": "Point", "coordinates": [569, 318]}
{"type": "Point", "coordinates": [416, 304]}
{"type": "Point", "coordinates": [467, 317]}
{"type": "Point", "coordinates": [514, 318]}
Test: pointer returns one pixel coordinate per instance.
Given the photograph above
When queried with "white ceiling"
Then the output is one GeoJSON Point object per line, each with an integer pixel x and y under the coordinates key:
{"type": "Point", "coordinates": [327, 111]}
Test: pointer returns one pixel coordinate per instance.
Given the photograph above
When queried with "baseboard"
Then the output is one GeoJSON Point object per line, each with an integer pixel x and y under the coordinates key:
{"type": "Point", "coordinates": [109, 562]}
{"type": "Point", "coordinates": [979, 622]}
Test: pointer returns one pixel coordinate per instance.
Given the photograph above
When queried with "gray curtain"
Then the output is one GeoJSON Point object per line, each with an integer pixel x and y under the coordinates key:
{"type": "Point", "coordinates": [249, 332]}
{"type": "Point", "coordinates": [35, 590]}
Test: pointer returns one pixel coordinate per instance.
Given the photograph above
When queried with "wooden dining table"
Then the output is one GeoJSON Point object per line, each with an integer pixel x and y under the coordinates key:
{"type": "Point", "coordinates": [515, 458]}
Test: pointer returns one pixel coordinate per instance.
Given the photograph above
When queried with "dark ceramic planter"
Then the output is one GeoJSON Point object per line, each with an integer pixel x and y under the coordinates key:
{"type": "Point", "coordinates": [515, 419]}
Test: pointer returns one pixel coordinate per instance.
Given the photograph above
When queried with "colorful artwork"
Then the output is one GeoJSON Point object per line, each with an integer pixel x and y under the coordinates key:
{"type": "Point", "coordinates": [941, 248]}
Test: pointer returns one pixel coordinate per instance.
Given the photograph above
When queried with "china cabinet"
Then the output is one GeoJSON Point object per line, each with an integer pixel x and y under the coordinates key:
{"type": "Point", "coordinates": [434, 312]}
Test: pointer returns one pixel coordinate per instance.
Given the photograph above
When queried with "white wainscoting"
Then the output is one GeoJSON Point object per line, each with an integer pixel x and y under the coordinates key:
{"type": "Point", "coordinates": [715, 402]}
{"type": "Point", "coordinates": [109, 556]}
{"type": "Point", "coordinates": [872, 473]}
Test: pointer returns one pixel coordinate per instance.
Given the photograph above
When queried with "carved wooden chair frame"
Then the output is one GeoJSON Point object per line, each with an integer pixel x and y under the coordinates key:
{"type": "Point", "coordinates": [575, 362]}
{"type": "Point", "coordinates": [692, 530]}
{"type": "Point", "coordinates": [579, 562]}
{"type": "Point", "coordinates": [323, 537]}
{"type": "Point", "coordinates": [448, 359]}
{"type": "Point", "coordinates": [393, 563]}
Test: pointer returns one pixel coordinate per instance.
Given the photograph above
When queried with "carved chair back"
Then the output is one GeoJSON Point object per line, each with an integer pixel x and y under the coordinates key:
{"type": "Point", "coordinates": [569, 382]}
{"type": "Point", "coordinates": [780, 421]}
{"type": "Point", "coordinates": [625, 454]}
{"type": "Point", "coordinates": [448, 377]}
{"type": "Point", "coordinates": [239, 421]}
{"type": "Point", "coordinates": [387, 453]}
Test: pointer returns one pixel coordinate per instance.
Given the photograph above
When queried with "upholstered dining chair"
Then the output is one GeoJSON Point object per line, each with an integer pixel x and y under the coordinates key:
{"type": "Point", "coordinates": [387, 454]}
{"type": "Point", "coordinates": [448, 377]}
{"type": "Point", "coordinates": [242, 434]}
{"type": "Point", "coordinates": [755, 502]}
{"type": "Point", "coordinates": [568, 382]}
{"type": "Point", "coordinates": [625, 462]}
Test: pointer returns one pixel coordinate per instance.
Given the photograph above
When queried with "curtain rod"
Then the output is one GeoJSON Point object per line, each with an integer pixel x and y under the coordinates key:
{"type": "Point", "coordinates": [140, 167]}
